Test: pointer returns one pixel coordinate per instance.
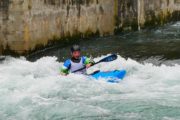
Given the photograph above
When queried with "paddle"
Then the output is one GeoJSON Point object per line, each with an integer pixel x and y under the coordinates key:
{"type": "Point", "coordinates": [106, 59]}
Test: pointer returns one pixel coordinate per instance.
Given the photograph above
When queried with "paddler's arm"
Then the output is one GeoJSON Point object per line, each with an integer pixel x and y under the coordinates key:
{"type": "Point", "coordinates": [65, 68]}
{"type": "Point", "coordinates": [88, 62]}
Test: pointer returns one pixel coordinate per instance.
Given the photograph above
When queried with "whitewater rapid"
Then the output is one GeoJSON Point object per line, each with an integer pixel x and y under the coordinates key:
{"type": "Point", "coordinates": [36, 91]}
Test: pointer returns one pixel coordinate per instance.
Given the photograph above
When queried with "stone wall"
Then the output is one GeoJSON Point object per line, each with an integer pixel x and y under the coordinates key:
{"type": "Point", "coordinates": [26, 24]}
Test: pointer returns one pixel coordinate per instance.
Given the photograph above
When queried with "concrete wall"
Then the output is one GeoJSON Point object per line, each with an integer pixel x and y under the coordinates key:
{"type": "Point", "coordinates": [25, 24]}
{"type": "Point", "coordinates": [158, 12]}
{"type": "Point", "coordinates": [3, 22]}
{"type": "Point", "coordinates": [137, 14]}
{"type": "Point", "coordinates": [28, 23]}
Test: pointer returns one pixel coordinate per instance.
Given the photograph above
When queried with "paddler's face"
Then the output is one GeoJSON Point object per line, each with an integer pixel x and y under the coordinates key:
{"type": "Point", "coordinates": [76, 54]}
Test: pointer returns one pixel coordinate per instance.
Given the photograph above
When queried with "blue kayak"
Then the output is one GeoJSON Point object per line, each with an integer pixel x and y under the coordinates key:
{"type": "Point", "coordinates": [112, 76]}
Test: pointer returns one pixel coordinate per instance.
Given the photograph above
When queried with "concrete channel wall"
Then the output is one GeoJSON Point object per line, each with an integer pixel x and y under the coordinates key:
{"type": "Point", "coordinates": [27, 24]}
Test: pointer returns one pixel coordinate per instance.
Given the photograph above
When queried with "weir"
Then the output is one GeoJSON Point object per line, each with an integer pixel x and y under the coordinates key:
{"type": "Point", "coordinates": [29, 24]}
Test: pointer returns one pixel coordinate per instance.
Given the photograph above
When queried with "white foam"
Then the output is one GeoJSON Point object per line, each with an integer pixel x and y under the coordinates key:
{"type": "Point", "coordinates": [177, 24]}
{"type": "Point", "coordinates": [32, 90]}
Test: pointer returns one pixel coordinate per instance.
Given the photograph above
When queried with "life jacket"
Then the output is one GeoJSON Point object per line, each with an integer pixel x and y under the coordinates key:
{"type": "Point", "coordinates": [75, 66]}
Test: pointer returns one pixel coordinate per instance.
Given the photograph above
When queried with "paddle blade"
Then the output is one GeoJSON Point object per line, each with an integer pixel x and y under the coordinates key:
{"type": "Point", "coordinates": [109, 58]}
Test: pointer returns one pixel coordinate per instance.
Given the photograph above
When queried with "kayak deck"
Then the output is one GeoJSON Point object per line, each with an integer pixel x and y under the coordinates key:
{"type": "Point", "coordinates": [112, 76]}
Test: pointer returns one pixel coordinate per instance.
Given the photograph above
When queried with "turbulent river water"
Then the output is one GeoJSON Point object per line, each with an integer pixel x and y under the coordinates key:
{"type": "Point", "coordinates": [32, 89]}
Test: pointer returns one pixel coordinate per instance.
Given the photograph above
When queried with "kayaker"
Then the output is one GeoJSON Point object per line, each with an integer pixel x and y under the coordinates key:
{"type": "Point", "coordinates": [76, 62]}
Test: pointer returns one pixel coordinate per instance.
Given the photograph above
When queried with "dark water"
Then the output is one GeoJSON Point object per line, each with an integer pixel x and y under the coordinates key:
{"type": "Point", "coordinates": [155, 45]}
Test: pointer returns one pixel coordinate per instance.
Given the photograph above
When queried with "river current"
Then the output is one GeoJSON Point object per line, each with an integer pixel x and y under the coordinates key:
{"type": "Point", "coordinates": [32, 89]}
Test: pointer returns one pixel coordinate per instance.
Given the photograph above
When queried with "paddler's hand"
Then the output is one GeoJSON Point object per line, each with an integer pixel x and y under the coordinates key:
{"type": "Point", "coordinates": [91, 63]}
{"type": "Point", "coordinates": [88, 65]}
{"type": "Point", "coordinates": [63, 74]}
